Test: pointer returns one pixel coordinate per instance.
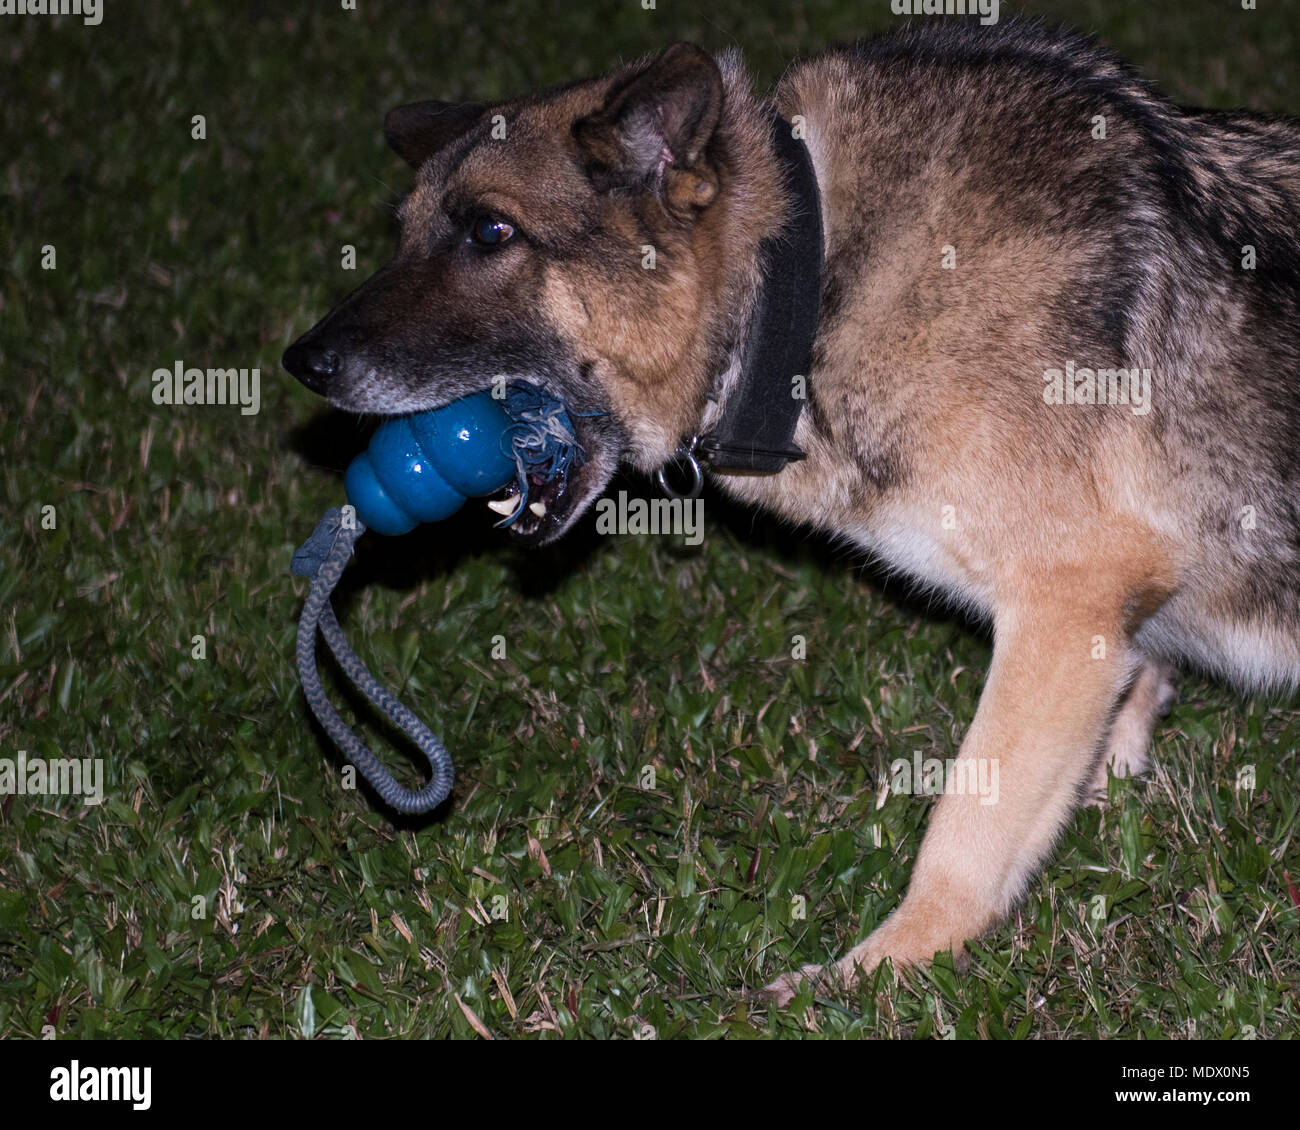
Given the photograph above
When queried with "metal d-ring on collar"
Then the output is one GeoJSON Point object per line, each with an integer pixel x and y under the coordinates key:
{"type": "Point", "coordinates": [684, 454]}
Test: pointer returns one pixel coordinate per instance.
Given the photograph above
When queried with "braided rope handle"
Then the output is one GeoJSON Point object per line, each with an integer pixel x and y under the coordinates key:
{"type": "Point", "coordinates": [322, 558]}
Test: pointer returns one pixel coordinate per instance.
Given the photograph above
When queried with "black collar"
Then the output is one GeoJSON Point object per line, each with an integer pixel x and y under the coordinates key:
{"type": "Point", "coordinates": [756, 429]}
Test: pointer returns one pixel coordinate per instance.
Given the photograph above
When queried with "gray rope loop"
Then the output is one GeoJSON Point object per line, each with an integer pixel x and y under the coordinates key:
{"type": "Point", "coordinates": [322, 558]}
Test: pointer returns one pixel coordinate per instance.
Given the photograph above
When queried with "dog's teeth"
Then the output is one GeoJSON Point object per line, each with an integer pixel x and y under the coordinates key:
{"type": "Point", "coordinates": [538, 508]}
{"type": "Point", "coordinates": [503, 506]}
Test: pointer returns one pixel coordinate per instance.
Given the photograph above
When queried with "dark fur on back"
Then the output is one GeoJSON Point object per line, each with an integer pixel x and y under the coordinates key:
{"type": "Point", "coordinates": [1131, 251]}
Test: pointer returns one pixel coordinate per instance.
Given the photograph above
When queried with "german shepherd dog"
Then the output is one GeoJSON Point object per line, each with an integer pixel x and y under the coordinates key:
{"type": "Point", "coordinates": [1055, 379]}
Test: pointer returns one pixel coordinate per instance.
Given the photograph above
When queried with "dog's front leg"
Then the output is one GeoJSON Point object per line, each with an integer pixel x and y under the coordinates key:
{"type": "Point", "coordinates": [1060, 663]}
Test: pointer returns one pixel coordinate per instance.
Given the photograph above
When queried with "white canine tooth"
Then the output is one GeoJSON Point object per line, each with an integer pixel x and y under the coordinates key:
{"type": "Point", "coordinates": [503, 506]}
{"type": "Point", "coordinates": [538, 508]}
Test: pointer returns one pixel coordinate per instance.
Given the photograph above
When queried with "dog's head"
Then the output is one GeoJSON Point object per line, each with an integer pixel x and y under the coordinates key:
{"type": "Point", "coordinates": [574, 239]}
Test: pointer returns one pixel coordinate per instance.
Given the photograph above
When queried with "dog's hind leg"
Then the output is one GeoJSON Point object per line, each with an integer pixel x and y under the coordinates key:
{"type": "Point", "coordinates": [1128, 745]}
{"type": "Point", "coordinates": [1061, 662]}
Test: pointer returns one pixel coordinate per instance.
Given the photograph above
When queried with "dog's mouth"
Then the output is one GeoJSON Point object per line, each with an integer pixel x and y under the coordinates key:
{"type": "Point", "coordinates": [560, 460]}
{"type": "Point", "coordinates": [564, 456]}
{"type": "Point", "coordinates": [542, 511]}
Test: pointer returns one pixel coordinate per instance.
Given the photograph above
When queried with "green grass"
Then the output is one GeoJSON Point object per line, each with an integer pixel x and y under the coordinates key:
{"type": "Point", "coordinates": [625, 906]}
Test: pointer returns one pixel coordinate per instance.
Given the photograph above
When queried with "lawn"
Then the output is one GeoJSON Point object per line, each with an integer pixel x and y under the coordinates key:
{"type": "Point", "coordinates": [229, 886]}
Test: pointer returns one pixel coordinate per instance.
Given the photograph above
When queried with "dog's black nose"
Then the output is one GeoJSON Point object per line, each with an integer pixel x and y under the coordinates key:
{"type": "Point", "coordinates": [311, 364]}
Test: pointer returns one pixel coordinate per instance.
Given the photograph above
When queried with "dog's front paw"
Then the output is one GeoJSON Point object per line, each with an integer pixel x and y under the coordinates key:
{"type": "Point", "coordinates": [781, 991]}
{"type": "Point", "coordinates": [838, 976]}
{"type": "Point", "coordinates": [905, 940]}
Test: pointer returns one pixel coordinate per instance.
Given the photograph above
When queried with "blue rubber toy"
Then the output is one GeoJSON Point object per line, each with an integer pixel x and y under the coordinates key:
{"type": "Point", "coordinates": [423, 468]}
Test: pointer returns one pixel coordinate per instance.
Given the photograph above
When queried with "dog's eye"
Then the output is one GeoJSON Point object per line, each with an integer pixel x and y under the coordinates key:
{"type": "Point", "coordinates": [491, 231]}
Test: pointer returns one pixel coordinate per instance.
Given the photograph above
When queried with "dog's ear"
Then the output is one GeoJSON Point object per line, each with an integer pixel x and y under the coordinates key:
{"type": "Point", "coordinates": [654, 130]}
{"type": "Point", "coordinates": [419, 129]}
